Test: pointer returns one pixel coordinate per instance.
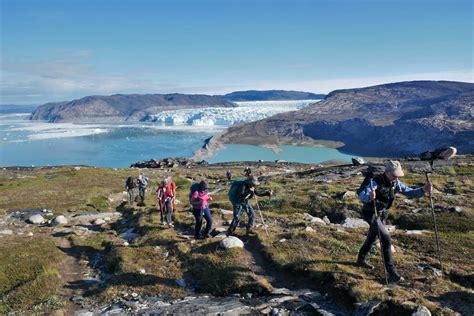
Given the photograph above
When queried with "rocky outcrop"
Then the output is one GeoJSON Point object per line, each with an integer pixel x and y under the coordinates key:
{"type": "Point", "coordinates": [167, 163]}
{"type": "Point", "coordinates": [396, 119]}
{"type": "Point", "coordinates": [271, 95]}
{"type": "Point", "coordinates": [122, 107]}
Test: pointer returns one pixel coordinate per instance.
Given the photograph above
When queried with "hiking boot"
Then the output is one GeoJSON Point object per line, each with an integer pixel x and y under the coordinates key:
{"type": "Point", "coordinates": [394, 278]}
{"type": "Point", "coordinates": [364, 264]}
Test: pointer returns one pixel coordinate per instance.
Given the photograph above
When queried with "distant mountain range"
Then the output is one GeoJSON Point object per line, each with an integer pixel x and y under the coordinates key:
{"type": "Point", "coordinates": [139, 107]}
{"type": "Point", "coordinates": [394, 119]}
{"type": "Point", "coordinates": [271, 95]}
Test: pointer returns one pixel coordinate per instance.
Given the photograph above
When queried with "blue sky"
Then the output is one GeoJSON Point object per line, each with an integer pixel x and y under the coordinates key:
{"type": "Point", "coordinates": [60, 50]}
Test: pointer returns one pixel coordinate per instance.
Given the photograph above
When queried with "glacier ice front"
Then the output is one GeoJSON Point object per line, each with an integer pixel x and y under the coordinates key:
{"type": "Point", "coordinates": [245, 112]}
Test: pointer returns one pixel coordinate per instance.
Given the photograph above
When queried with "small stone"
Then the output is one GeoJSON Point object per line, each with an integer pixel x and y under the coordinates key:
{"type": "Point", "coordinates": [326, 220]}
{"type": "Point", "coordinates": [36, 219]}
{"type": "Point", "coordinates": [226, 212]}
{"type": "Point", "coordinates": [60, 220]}
{"type": "Point", "coordinates": [231, 242]}
{"type": "Point", "coordinates": [458, 209]}
{"type": "Point", "coordinates": [107, 218]}
{"type": "Point", "coordinates": [30, 234]}
{"type": "Point", "coordinates": [282, 240]}
{"type": "Point", "coordinates": [125, 243]}
{"type": "Point", "coordinates": [165, 254]}
{"type": "Point", "coordinates": [348, 195]}
{"type": "Point", "coordinates": [248, 296]}
{"type": "Point", "coordinates": [414, 232]}
{"type": "Point", "coordinates": [99, 221]}
{"type": "Point", "coordinates": [309, 229]}
{"type": "Point", "coordinates": [142, 271]}
{"type": "Point", "coordinates": [83, 312]}
{"type": "Point", "coordinates": [281, 291]}
{"type": "Point", "coordinates": [355, 223]}
{"type": "Point", "coordinates": [134, 295]}
{"type": "Point", "coordinates": [181, 282]}
{"type": "Point", "coordinates": [421, 311]}
{"type": "Point", "coordinates": [6, 232]}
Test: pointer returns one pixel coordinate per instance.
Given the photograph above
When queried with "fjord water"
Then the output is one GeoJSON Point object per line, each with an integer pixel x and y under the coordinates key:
{"type": "Point", "coordinates": [33, 143]}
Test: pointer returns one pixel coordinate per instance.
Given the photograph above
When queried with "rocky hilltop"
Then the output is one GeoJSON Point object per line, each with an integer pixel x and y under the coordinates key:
{"type": "Point", "coordinates": [396, 119]}
{"type": "Point", "coordinates": [122, 107]}
{"type": "Point", "coordinates": [271, 95]}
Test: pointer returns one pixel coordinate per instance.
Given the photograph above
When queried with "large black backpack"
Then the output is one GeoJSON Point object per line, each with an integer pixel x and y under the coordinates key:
{"type": "Point", "coordinates": [369, 174]}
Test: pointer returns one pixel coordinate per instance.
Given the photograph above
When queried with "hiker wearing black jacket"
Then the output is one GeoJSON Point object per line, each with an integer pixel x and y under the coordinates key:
{"type": "Point", "coordinates": [382, 190]}
{"type": "Point", "coordinates": [240, 203]}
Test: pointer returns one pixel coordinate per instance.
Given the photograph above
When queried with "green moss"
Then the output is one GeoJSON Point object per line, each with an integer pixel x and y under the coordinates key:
{"type": "Point", "coordinates": [28, 273]}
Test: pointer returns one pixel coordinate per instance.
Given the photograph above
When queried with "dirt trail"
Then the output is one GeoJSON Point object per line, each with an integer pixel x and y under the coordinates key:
{"type": "Point", "coordinates": [71, 272]}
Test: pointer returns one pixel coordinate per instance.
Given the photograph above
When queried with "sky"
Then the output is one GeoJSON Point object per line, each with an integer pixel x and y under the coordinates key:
{"type": "Point", "coordinates": [62, 50]}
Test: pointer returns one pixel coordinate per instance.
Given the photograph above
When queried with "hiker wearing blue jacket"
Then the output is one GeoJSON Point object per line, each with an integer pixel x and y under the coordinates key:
{"type": "Point", "coordinates": [382, 190]}
{"type": "Point", "coordinates": [240, 193]}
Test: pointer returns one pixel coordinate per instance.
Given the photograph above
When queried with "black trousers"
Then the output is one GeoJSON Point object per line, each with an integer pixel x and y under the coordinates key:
{"type": "Point", "coordinates": [377, 225]}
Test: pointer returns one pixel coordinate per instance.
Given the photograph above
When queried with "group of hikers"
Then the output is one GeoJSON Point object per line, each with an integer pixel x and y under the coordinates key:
{"type": "Point", "coordinates": [377, 193]}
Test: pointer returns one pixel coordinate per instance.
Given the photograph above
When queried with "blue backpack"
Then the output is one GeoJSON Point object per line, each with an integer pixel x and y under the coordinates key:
{"type": "Point", "coordinates": [234, 188]}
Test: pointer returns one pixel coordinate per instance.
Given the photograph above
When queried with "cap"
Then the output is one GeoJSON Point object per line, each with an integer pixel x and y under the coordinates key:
{"type": "Point", "coordinates": [394, 167]}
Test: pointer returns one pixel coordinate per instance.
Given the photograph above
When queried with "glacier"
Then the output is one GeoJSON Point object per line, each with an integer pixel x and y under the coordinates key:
{"type": "Point", "coordinates": [245, 112]}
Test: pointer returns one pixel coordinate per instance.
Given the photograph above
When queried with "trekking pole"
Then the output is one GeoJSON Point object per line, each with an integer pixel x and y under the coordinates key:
{"type": "Point", "coordinates": [376, 214]}
{"type": "Point", "coordinates": [434, 221]}
{"type": "Point", "coordinates": [261, 216]}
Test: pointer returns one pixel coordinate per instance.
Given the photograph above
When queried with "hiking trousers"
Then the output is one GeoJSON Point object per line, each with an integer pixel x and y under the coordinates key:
{"type": "Point", "coordinates": [131, 196]}
{"type": "Point", "coordinates": [199, 215]}
{"type": "Point", "coordinates": [168, 211]}
{"type": "Point", "coordinates": [141, 194]}
{"type": "Point", "coordinates": [238, 211]}
{"type": "Point", "coordinates": [377, 225]}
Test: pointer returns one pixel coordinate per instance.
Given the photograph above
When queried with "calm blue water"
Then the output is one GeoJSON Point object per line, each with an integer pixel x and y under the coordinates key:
{"type": "Point", "coordinates": [26, 143]}
{"type": "Point", "coordinates": [237, 152]}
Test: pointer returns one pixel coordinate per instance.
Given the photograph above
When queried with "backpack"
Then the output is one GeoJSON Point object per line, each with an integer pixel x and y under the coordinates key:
{"type": "Point", "coordinates": [369, 174]}
{"type": "Point", "coordinates": [234, 189]}
{"type": "Point", "coordinates": [194, 202]}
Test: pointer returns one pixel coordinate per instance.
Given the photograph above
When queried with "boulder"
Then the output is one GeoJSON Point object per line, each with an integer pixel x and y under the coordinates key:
{"type": "Point", "coordinates": [99, 221]}
{"type": "Point", "coordinates": [421, 311]}
{"type": "Point", "coordinates": [60, 220]}
{"type": "Point", "coordinates": [309, 229]}
{"type": "Point", "coordinates": [6, 232]}
{"type": "Point", "coordinates": [231, 242]}
{"type": "Point", "coordinates": [357, 161]}
{"type": "Point", "coordinates": [355, 223]}
{"type": "Point", "coordinates": [36, 219]}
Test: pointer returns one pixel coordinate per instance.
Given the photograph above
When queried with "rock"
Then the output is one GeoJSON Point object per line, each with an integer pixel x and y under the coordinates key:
{"type": "Point", "coordinates": [142, 271]}
{"type": "Point", "coordinates": [281, 291]}
{"type": "Point", "coordinates": [366, 309]}
{"type": "Point", "coordinates": [30, 234]}
{"type": "Point", "coordinates": [231, 242]}
{"type": "Point", "coordinates": [6, 232]}
{"type": "Point", "coordinates": [83, 312]}
{"type": "Point", "coordinates": [414, 232]}
{"type": "Point", "coordinates": [348, 194]}
{"type": "Point", "coordinates": [391, 228]}
{"type": "Point", "coordinates": [309, 229]}
{"type": "Point", "coordinates": [282, 240]}
{"type": "Point", "coordinates": [107, 218]}
{"type": "Point", "coordinates": [99, 221]}
{"type": "Point", "coordinates": [426, 267]}
{"type": "Point", "coordinates": [227, 212]}
{"type": "Point", "coordinates": [125, 243]}
{"type": "Point", "coordinates": [421, 311]}
{"type": "Point", "coordinates": [355, 223]}
{"type": "Point", "coordinates": [36, 219]}
{"type": "Point", "coordinates": [326, 220]}
{"type": "Point", "coordinates": [181, 282]}
{"type": "Point", "coordinates": [458, 209]}
{"type": "Point", "coordinates": [357, 161]}
{"type": "Point", "coordinates": [60, 220]}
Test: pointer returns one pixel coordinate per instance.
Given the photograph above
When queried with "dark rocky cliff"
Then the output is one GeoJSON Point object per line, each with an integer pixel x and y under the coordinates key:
{"type": "Point", "coordinates": [394, 119]}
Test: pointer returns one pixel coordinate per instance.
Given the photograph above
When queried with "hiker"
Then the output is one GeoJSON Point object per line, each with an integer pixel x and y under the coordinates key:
{"type": "Point", "coordinates": [169, 193]}
{"type": "Point", "coordinates": [142, 184]}
{"type": "Point", "coordinates": [229, 175]}
{"type": "Point", "coordinates": [130, 185]}
{"type": "Point", "coordinates": [247, 172]}
{"type": "Point", "coordinates": [240, 193]}
{"type": "Point", "coordinates": [383, 188]}
{"type": "Point", "coordinates": [160, 193]}
{"type": "Point", "coordinates": [199, 199]}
